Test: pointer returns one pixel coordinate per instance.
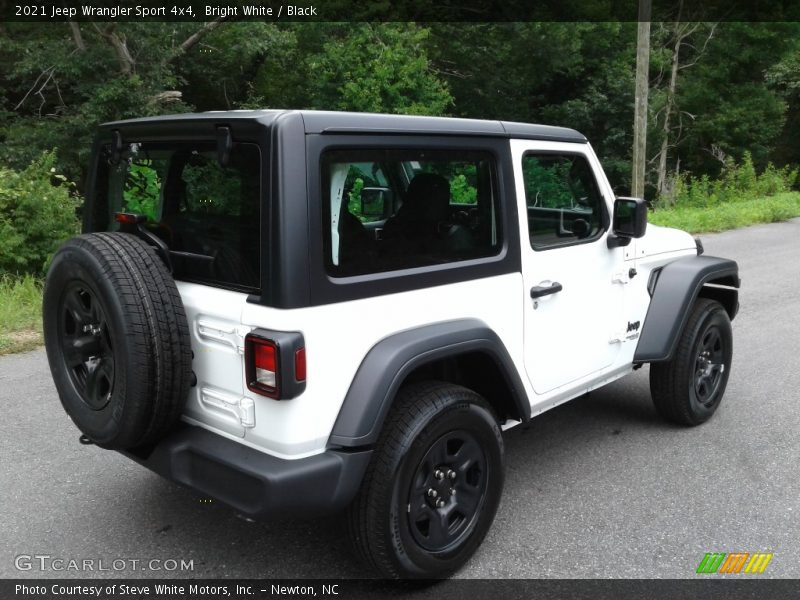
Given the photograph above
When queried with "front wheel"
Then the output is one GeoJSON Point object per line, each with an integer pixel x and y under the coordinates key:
{"type": "Point", "coordinates": [433, 486]}
{"type": "Point", "coordinates": [688, 389]}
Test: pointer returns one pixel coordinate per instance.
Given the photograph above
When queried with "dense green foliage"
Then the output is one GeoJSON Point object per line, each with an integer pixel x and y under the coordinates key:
{"type": "Point", "coordinates": [35, 215]}
{"type": "Point", "coordinates": [735, 98]}
{"type": "Point", "coordinates": [737, 89]}
{"type": "Point", "coordinates": [736, 182]}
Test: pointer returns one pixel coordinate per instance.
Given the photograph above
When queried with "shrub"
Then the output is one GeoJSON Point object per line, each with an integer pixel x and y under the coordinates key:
{"type": "Point", "coordinates": [737, 182]}
{"type": "Point", "coordinates": [37, 212]}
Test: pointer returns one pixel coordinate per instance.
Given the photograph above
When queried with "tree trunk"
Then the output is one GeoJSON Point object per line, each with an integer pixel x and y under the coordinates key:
{"type": "Point", "coordinates": [640, 109]}
{"type": "Point", "coordinates": [668, 106]}
{"type": "Point", "coordinates": [197, 36]}
{"type": "Point", "coordinates": [124, 57]}
{"type": "Point", "coordinates": [76, 36]}
{"type": "Point", "coordinates": [120, 46]}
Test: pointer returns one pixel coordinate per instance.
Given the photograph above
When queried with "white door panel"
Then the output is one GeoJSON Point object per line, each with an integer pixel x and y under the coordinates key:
{"type": "Point", "coordinates": [570, 335]}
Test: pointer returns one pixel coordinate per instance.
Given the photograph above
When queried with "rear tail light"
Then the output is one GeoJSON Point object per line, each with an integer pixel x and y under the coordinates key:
{"type": "Point", "coordinates": [264, 379]}
{"type": "Point", "coordinates": [275, 363]}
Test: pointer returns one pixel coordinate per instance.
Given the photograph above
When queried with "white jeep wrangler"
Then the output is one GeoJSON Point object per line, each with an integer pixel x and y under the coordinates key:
{"type": "Point", "coordinates": [300, 312]}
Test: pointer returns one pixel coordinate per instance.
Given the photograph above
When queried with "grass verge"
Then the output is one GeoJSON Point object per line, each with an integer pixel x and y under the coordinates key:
{"type": "Point", "coordinates": [729, 215]}
{"type": "Point", "coordinates": [20, 314]}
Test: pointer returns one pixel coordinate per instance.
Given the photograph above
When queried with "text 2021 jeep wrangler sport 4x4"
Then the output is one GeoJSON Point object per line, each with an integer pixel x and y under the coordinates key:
{"type": "Point", "coordinates": [301, 312]}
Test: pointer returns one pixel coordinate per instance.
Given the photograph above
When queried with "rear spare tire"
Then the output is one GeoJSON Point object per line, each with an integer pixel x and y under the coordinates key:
{"type": "Point", "coordinates": [117, 339]}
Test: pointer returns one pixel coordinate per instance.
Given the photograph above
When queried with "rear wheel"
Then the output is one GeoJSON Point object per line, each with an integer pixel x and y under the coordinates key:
{"type": "Point", "coordinates": [433, 486]}
{"type": "Point", "coordinates": [688, 389]}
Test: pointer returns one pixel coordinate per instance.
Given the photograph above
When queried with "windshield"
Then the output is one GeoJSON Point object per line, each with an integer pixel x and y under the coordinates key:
{"type": "Point", "coordinates": [208, 215]}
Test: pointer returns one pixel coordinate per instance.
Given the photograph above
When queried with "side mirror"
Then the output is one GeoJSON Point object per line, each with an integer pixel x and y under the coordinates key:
{"type": "Point", "coordinates": [376, 202]}
{"type": "Point", "coordinates": [630, 221]}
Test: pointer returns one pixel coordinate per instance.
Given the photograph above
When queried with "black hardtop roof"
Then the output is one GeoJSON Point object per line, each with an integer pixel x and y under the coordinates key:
{"type": "Point", "coordinates": [321, 122]}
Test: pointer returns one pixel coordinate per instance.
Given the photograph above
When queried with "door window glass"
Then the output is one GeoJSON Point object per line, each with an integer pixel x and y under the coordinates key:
{"type": "Point", "coordinates": [563, 200]}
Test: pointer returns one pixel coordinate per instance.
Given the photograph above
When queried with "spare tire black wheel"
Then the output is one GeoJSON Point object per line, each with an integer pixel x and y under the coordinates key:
{"type": "Point", "coordinates": [117, 339]}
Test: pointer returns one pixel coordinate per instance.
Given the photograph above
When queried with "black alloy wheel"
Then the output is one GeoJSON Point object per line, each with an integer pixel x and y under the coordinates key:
{"type": "Point", "coordinates": [433, 484]}
{"type": "Point", "coordinates": [87, 347]}
{"type": "Point", "coordinates": [709, 366]}
{"type": "Point", "coordinates": [448, 491]}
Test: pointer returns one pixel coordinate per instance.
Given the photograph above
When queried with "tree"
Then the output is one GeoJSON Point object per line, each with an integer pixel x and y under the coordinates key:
{"type": "Point", "coordinates": [58, 80]}
{"type": "Point", "coordinates": [219, 73]}
{"type": "Point", "coordinates": [733, 109]}
{"type": "Point", "coordinates": [783, 77]}
{"type": "Point", "coordinates": [360, 67]}
{"type": "Point", "coordinates": [378, 69]}
{"type": "Point", "coordinates": [61, 80]}
{"type": "Point", "coordinates": [682, 33]}
{"type": "Point", "coordinates": [571, 74]}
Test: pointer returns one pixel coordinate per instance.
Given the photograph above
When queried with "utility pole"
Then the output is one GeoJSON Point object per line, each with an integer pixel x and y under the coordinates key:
{"type": "Point", "coordinates": [640, 108]}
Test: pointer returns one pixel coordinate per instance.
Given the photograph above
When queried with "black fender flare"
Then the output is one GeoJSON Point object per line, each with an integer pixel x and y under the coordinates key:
{"type": "Point", "coordinates": [389, 362]}
{"type": "Point", "coordinates": [674, 289]}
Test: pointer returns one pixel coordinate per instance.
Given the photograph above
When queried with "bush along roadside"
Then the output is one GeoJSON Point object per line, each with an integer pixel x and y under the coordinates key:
{"type": "Point", "coordinates": [37, 213]}
{"type": "Point", "coordinates": [740, 197]}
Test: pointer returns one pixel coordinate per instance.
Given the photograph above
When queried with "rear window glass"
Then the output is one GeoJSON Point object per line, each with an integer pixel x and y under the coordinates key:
{"type": "Point", "coordinates": [391, 209]}
{"type": "Point", "coordinates": [208, 215]}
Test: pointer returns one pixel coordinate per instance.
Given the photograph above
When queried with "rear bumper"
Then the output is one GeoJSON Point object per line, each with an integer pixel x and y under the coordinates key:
{"type": "Point", "coordinates": [254, 483]}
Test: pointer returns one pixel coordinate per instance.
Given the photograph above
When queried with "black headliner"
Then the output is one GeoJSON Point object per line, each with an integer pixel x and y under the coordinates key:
{"type": "Point", "coordinates": [322, 122]}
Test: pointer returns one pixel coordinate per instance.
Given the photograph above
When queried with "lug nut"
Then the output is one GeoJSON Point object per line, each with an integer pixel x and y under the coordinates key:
{"type": "Point", "coordinates": [451, 474]}
{"type": "Point", "coordinates": [432, 493]}
{"type": "Point", "coordinates": [452, 491]}
{"type": "Point", "coordinates": [439, 503]}
{"type": "Point", "coordinates": [438, 474]}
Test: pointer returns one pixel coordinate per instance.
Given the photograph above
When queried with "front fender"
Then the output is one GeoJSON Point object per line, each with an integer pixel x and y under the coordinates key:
{"type": "Point", "coordinates": [678, 285]}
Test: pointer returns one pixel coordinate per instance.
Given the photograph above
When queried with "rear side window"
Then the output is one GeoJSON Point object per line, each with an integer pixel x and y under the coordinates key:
{"type": "Point", "coordinates": [208, 215]}
{"type": "Point", "coordinates": [389, 209]}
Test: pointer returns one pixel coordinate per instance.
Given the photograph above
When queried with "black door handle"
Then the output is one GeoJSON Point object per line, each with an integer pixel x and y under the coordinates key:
{"type": "Point", "coordinates": [539, 291]}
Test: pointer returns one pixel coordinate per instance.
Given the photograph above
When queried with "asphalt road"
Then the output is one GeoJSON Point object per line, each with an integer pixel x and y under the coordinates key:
{"type": "Point", "coordinates": [599, 487]}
